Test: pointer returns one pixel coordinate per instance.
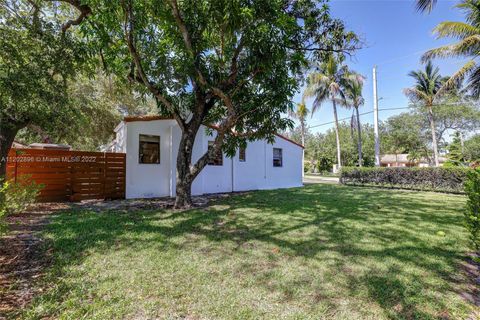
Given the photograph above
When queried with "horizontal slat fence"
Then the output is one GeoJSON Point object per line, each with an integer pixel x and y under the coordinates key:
{"type": "Point", "coordinates": [70, 175]}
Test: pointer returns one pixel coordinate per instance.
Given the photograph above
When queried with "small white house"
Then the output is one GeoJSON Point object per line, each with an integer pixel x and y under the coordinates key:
{"type": "Point", "coordinates": [151, 147]}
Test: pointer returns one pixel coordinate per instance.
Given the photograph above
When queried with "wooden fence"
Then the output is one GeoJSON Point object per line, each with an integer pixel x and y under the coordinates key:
{"type": "Point", "coordinates": [70, 175]}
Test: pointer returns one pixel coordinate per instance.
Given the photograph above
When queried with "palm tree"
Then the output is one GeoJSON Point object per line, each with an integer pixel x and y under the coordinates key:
{"type": "Point", "coordinates": [354, 99]}
{"type": "Point", "coordinates": [429, 87]}
{"type": "Point", "coordinates": [327, 83]}
{"type": "Point", "coordinates": [468, 45]}
{"type": "Point", "coordinates": [300, 113]}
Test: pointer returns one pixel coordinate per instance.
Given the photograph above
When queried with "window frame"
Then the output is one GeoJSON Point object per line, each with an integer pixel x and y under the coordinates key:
{"type": "Point", "coordinates": [276, 165]}
{"type": "Point", "coordinates": [140, 142]}
{"type": "Point", "coordinates": [218, 162]}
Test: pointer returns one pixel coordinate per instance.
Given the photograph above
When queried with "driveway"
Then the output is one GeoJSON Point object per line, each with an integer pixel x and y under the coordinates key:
{"type": "Point", "coordinates": [312, 179]}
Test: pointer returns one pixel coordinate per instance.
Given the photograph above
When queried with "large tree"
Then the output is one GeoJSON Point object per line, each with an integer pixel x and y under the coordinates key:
{"type": "Point", "coordinates": [429, 90]}
{"type": "Point", "coordinates": [405, 133]}
{"type": "Point", "coordinates": [235, 64]}
{"type": "Point", "coordinates": [300, 113]}
{"type": "Point", "coordinates": [327, 83]}
{"type": "Point", "coordinates": [354, 99]}
{"type": "Point", "coordinates": [36, 62]}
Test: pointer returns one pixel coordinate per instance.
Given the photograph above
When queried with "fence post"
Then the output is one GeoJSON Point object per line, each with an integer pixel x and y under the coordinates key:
{"type": "Point", "coordinates": [104, 175]}
{"type": "Point", "coordinates": [15, 168]}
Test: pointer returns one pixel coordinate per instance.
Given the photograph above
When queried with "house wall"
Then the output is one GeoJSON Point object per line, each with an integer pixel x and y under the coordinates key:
{"type": "Point", "coordinates": [159, 180]}
{"type": "Point", "coordinates": [147, 180]}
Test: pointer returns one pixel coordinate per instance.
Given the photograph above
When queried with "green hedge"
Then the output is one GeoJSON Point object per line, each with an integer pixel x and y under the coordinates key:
{"type": "Point", "coordinates": [431, 179]}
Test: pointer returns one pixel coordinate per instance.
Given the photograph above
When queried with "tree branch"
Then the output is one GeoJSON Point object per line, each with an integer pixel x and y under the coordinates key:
{"type": "Point", "coordinates": [84, 9]}
{"type": "Point", "coordinates": [143, 79]}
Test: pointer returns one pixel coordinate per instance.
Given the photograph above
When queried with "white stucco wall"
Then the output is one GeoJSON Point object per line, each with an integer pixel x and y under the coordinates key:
{"type": "Point", "coordinates": [159, 180]}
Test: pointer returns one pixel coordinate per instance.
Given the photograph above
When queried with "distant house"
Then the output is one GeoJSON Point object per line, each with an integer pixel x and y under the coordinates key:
{"type": "Point", "coordinates": [403, 160]}
{"type": "Point", "coordinates": [42, 146]}
{"type": "Point", "coordinates": [151, 147]}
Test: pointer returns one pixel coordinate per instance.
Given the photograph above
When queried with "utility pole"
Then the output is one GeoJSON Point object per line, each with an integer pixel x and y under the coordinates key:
{"type": "Point", "coordinates": [375, 118]}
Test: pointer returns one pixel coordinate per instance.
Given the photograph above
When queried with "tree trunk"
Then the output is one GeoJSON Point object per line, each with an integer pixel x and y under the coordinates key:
{"type": "Point", "coordinates": [186, 171]}
{"type": "Point", "coordinates": [184, 182]}
{"type": "Point", "coordinates": [302, 125]}
{"type": "Point", "coordinates": [434, 136]}
{"type": "Point", "coordinates": [8, 131]}
{"type": "Point", "coordinates": [359, 144]}
{"type": "Point", "coordinates": [337, 134]}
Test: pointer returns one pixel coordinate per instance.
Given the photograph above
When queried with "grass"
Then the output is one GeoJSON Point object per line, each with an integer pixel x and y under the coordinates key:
{"type": "Point", "coordinates": [318, 252]}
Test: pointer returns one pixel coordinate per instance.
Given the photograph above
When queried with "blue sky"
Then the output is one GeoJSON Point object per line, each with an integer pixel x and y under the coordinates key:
{"type": "Point", "coordinates": [395, 37]}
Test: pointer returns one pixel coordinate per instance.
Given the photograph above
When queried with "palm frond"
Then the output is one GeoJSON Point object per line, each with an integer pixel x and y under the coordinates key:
{"type": "Point", "coordinates": [456, 79]}
{"type": "Point", "coordinates": [425, 5]}
{"type": "Point", "coordinates": [465, 47]}
{"type": "Point", "coordinates": [473, 84]}
{"type": "Point", "coordinates": [415, 95]}
{"type": "Point", "coordinates": [459, 30]}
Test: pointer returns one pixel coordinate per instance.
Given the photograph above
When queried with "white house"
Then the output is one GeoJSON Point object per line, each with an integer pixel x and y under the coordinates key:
{"type": "Point", "coordinates": [151, 147]}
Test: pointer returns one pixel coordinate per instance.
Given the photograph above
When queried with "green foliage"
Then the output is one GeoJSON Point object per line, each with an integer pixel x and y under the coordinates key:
{"type": "Point", "coordinates": [472, 214]}
{"type": "Point", "coordinates": [432, 179]}
{"type": "Point", "coordinates": [37, 61]}
{"type": "Point", "coordinates": [100, 103]}
{"type": "Point", "coordinates": [404, 133]}
{"type": "Point", "coordinates": [15, 197]}
{"type": "Point", "coordinates": [472, 149]}
{"type": "Point", "coordinates": [455, 156]}
{"type": "Point", "coordinates": [209, 61]}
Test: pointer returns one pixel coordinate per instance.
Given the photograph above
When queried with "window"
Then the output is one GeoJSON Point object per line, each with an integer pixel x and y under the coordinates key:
{"type": "Point", "coordinates": [149, 149]}
{"type": "Point", "coordinates": [277, 157]}
{"type": "Point", "coordinates": [218, 159]}
{"type": "Point", "coordinates": [242, 156]}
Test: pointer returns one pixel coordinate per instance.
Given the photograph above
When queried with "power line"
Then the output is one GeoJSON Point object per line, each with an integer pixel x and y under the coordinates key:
{"type": "Point", "coordinates": [361, 114]}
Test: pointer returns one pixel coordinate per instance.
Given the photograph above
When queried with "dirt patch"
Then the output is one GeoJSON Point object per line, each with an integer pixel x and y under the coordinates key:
{"type": "Point", "coordinates": [22, 259]}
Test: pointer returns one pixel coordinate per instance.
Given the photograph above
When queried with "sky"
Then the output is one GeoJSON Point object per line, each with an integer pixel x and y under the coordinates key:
{"type": "Point", "coordinates": [395, 36]}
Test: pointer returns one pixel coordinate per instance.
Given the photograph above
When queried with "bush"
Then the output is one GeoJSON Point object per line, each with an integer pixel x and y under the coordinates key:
{"type": "Point", "coordinates": [16, 197]}
{"type": "Point", "coordinates": [472, 214]}
{"type": "Point", "coordinates": [428, 179]}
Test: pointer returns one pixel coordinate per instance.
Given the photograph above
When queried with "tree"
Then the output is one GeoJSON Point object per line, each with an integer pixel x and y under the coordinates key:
{"type": "Point", "coordinates": [101, 102]}
{"type": "Point", "coordinates": [235, 64]}
{"type": "Point", "coordinates": [468, 35]}
{"type": "Point", "coordinates": [354, 99]}
{"type": "Point", "coordinates": [327, 83]}
{"type": "Point", "coordinates": [456, 114]}
{"type": "Point", "coordinates": [429, 88]}
{"type": "Point", "coordinates": [300, 113]}
{"type": "Point", "coordinates": [471, 149]}
{"type": "Point", "coordinates": [455, 152]}
{"type": "Point", "coordinates": [36, 62]}
{"type": "Point", "coordinates": [405, 133]}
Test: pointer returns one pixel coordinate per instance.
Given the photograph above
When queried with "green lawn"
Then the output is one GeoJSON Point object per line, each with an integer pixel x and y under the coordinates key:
{"type": "Point", "coordinates": [323, 251]}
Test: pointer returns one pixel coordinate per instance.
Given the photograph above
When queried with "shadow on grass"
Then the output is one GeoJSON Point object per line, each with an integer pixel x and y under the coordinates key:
{"type": "Point", "coordinates": [362, 226]}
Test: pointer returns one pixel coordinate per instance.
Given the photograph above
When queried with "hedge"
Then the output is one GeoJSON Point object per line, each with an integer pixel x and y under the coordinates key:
{"type": "Point", "coordinates": [414, 178]}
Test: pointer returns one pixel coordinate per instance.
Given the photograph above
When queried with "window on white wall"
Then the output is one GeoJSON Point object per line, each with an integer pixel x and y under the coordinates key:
{"type": "Point", "coordinates": [242, 154]}
{"type": "Point", "coordinates": [218, 159]}
{"type": "Point", "coordinates": [149, 149]}
{"type": "Point", "coordinates": [277, 157]}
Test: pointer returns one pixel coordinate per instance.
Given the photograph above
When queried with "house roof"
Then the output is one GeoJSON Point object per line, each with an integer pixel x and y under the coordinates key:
{"type": "Point", "coordinates": [157, 117]}
{"type": "Point", "coordinates": [146, 118]}
{"type": "Point", "coordinates": [50, 146]}
{"type": "Point", "coordinates": [403, 158]}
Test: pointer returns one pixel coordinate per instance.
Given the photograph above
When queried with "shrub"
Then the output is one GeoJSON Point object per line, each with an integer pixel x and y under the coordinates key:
{"type": "Point", "coordinates": [16, 197]}
{"type": "Point", "coordinates": [472, 214]}
{"type": "Point", "coordinates": [430, 179]}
